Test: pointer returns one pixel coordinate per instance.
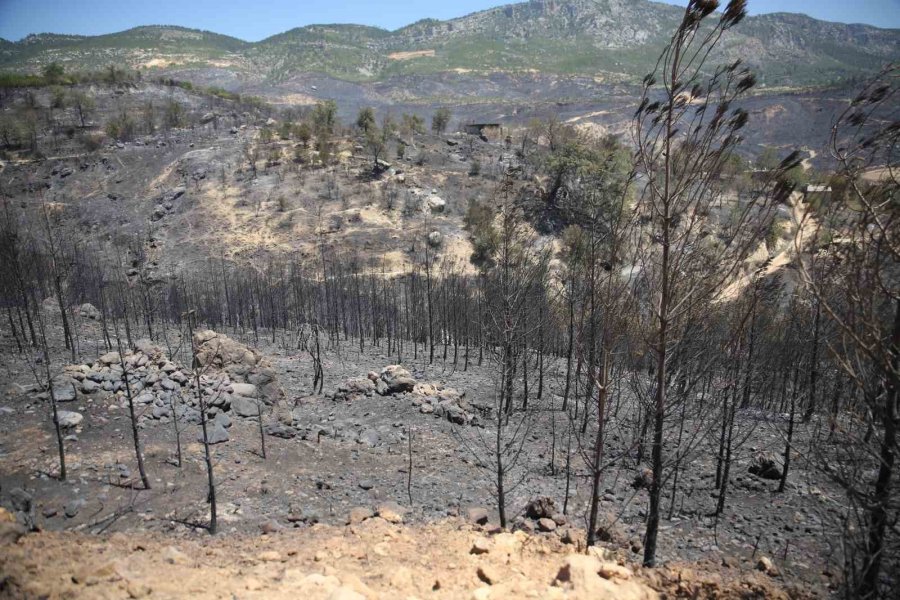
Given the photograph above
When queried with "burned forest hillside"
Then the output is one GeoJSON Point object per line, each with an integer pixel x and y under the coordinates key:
{"type": "Point", "coordinates": [551, 335]}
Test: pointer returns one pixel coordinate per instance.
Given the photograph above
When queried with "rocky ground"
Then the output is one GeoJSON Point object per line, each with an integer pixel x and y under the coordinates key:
{"type": "Point", "coordinates": [372, 560]}
{"type": "Point", "coordinates": [344, 457]}
{"type": "Point", "coordinates": [188, 194]}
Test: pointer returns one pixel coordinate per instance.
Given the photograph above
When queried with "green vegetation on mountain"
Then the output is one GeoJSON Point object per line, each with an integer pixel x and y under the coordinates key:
{"type": "Point", "coordinates": [616, 40]}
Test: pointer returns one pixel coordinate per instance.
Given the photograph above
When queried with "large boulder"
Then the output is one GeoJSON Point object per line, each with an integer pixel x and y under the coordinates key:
{"type": "Point", "coordinates": [88, 311]}
{"type": "Point", "coordinates": [221, 352]}
{"type": "Point", "coordinates": [354, 387]}
{"type": "Point", "coordinates": [244, 407]}
{"type": "Point", "coordinates": [216, 434]}
{"type": "Point", "coordinates": [151, 350]}
{"type": "Point", "coordinates": [444, 402]}
{"type": "Point", "coordinates": [764, 466]}
{"type": "Point", "coordinates": [281, 430]}
{"type": "Point", "coordinates": [63, 388]}
{"type": "Point", "coordinates": [68, 418]}
{"type": "Point", "coordinates": [110, 358]}
{"type": "Point", "coordinates": [50, 305]}
{"type": "Point", "coordinates": [247, 390]}
{"type": "Point", "coordinates": [540, 508]}
{"type": "Point", "coordinates": [397, 379]}
{"type": "Point", "coordinates": [435, 204]}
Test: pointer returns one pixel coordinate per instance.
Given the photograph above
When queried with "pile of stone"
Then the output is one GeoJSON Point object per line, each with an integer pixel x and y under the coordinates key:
{"type": "Point", "coordinates": [221, 355]}
{"type": "Point", "coordinates": [429, 398]}
{"type": "Point", "coordinates": [392, 380]}
{"type": "Point", "coordinates": [445, 402]}
{"type": "Point", "coordinates": [147, 365]}
{"type": "Point", "coordinates": [154, 381]}
{"type": "Point", "coordinates": [234, 380]}
{"type": "Point", "coordinates": [541, 515]}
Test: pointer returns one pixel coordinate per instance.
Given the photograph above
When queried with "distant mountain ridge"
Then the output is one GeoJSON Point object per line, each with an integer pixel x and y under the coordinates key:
{"type": "Point", "coordinates": [611, 40]}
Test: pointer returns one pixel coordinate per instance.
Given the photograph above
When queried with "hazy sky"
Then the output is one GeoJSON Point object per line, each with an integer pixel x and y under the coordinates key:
{"type": "Point", "coordinates": [253, 20]}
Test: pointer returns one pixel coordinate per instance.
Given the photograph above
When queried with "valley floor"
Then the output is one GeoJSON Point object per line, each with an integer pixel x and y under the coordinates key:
{"type": "Point", "coordinates": [304, 493]}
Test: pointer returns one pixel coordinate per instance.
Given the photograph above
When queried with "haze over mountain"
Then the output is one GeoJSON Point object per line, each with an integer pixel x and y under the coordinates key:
{"type": "Point", "coordinates": [610, 40]}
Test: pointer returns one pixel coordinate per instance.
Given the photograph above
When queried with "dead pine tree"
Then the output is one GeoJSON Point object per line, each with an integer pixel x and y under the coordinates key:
{"type": "Point", "coordinates": [409, 467]}
{"type": "Point", "coordinates": [851, 257]}
{"type": "Point", "coordinates": [262, 435]}
{"type": "Point", "coordinates": [789, 337]}
{"type": "Point", "coordinates": [597, 250]}
{"type": "Point", "coordinates": [308, 341]}
{"type": "Point", "coordinates": [48, 381]}
{"type": "Point", "coordinates": [58, 275]}
{"type": "Point", "coordinates": [177, 430]}
{"type": "Point", "coordinates": [135, 436]}
{"type": "Point", "coordinates": [513, 270]}
{"type": "Point", "coordinates": [684, 129]}
{"type": "Point", "coordinates": [197, 371]}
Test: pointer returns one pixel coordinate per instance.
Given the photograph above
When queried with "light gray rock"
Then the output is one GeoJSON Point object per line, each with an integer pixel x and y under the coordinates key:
{"type": "Point", "coordinates": [63, 389]}
{"type": "Point", "coordinates": [145, 398]}
{"type": "Point", "coordinates": [159, 412]}
{"type": "Point", "coordinates": [355, 388]}
{"type": "Point", "coordinates": [369, 437]}
{"type": "Point", "coordinates": [68, 418]}
{"type": "Point", "coordinates": [280, 430]}
{"type": "Point", "coordinates": [397, 379]}
{"type": "Point", "coordinates": [435, 204]}
{"type": "Point", "coordinates": [89, 387]}
{"type": "Point", "coordinates": [73, 507]}
{"type": "Point", "coordinates": [248, 390]}
{"type": "Point", "coordinates": [244, 407]}
{"type": "Point", "coordinates": [222, 419]}
{"type": "Point", "coordinates": [110, 358]}
{"type": "Point", "coordinates": [477, 514]}
{"type": "Point", "coordinates": [89, 311]}
{"type": "Point", "coordinates": [546, 525]}
{"type": "Point", "coordinates": [217, 434]}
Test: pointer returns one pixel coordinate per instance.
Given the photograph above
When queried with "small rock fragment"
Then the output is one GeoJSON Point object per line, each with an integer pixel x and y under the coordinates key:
{"type": "Point", "coordinates": [488, 574]}
{"type": "Point", "coordinates": [480, 546]}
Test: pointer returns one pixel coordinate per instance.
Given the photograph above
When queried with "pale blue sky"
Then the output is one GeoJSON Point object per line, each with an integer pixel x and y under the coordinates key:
{"type": "Point", "coordinates": [253, 20]}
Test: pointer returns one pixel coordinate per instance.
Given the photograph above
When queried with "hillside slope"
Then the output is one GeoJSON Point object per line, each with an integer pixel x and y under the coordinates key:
{"type": "Point", "coordinates": [614, 40]}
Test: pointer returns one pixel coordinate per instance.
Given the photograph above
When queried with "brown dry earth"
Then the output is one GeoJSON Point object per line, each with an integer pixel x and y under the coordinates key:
{"type": "Point", "coordinates": [373, 560]}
